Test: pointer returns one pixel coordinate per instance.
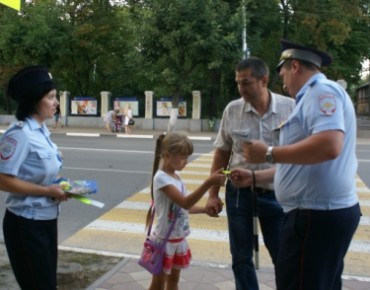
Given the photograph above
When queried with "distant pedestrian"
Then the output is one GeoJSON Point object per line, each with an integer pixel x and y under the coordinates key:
{"type": "Point", "coordinates": [170, 197]}
{"type": "Point", "coordinates": [29, 164]}
{"type": "Point", "coordinates": [109, 120]}
{"type": "Point", "coordinates": [128, 117]}
{"type": "Point", "coordinates": [117, 120]}
{"type": "Point", "coordinates": [58, 118]}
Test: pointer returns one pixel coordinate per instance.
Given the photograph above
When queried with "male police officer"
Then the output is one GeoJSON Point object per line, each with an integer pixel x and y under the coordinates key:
{"type": "Point", "coordinates": [315, 173]}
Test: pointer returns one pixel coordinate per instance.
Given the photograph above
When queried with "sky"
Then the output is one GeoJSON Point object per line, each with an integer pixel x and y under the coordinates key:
{"type": "Point", "coordinates": [365, 69]}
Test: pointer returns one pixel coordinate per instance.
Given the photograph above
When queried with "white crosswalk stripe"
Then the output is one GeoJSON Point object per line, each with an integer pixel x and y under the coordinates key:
{"type": "Point", "coordinates": [122, 230]}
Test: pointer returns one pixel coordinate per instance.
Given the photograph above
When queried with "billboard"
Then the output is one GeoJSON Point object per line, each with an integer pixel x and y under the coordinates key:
{"type": "Point", "coordinates": [164, 106]}
{"type": "Point", "coordinates": [84, 106]}
{"type": "Point", "coordinates": [123, 102]}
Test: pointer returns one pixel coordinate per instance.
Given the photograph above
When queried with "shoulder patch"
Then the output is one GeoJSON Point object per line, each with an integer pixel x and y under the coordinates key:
{"type": "Point", "coordinates": [19, 124]}
{"type": "Point", "coordinates": [327, 104]}
{"type": "Point", "coordinates": [7, 148]}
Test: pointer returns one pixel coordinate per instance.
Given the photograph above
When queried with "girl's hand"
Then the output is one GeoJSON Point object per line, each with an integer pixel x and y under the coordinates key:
{"type": "Point", "coordinates": [240, 177]}
{"type": "Point", "coordinates": [217, 178]}
{"type": "Point", "coordinates": [211, 211]}
{"type": "Point", "coordinates": [214, 206]}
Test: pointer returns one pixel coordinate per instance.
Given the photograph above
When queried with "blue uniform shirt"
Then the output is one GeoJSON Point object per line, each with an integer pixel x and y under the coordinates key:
{"type": "Point", "coordinates": [27, 153]}
{"type": "Point", "coordinates": [322, 105]}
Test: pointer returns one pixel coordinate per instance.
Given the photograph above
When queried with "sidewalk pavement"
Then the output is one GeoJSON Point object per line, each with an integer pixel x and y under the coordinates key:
{"type": "Point", "coordinates": [128, 275]}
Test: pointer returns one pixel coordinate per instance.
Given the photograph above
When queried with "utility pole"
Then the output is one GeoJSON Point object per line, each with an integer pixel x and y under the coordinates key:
{"type": "Point", "coordinates": [368, 56]}
{"type": "Point", "coordinates": [94, 70]}
{"type": "Point", "coordinates": [244, 34]}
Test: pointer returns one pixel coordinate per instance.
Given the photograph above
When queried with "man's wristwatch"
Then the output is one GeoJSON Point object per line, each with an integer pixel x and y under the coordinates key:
{"type": "Point", "coordinates": [268, 157]}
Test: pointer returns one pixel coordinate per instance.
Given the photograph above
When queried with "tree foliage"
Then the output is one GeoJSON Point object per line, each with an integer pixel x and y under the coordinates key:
{"type": "Point", "coordinates": [32, 36]}
{"type": "Point", "coordinates": [186, 45]}
{"type": "Point", "coordinates": [340, 27]}
{"type": "Point", "coordinates": [174, 47]}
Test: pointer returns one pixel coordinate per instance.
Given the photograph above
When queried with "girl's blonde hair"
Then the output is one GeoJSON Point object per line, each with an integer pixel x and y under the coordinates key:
{"type": "Point", "coordinates": [177, 144]}
{"type": "Point", "coordinates": [172, 143]}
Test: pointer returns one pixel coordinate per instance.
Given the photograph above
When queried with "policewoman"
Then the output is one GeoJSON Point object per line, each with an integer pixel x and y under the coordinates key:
{"type": "Point", "coordinates": [29, 163]}
{"type": "Point", "coordinates": [315, 173]}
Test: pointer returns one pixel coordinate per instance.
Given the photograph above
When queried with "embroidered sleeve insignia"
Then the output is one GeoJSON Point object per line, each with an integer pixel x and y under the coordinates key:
{"type": "Point", "coordinates": [7, 148]}
{"type": "Point", "coordinates": [327, 104]}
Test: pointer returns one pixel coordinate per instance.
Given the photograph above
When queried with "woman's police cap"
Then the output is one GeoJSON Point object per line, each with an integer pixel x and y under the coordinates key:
{"type": "Point", "coordinates": [28, 79]}
{"type": "Point", "coordinates": [290, 50]}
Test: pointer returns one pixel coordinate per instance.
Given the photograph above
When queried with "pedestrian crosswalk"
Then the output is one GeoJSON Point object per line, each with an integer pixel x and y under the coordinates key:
{"type": "Point", "coordinates": [121, 231]}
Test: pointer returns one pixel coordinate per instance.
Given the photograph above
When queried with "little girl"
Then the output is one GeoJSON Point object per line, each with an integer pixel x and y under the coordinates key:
{"type": "Point", "coordinates": [172, 152]}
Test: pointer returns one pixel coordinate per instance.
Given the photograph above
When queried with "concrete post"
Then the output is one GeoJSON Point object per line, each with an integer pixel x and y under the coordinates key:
{"type": "Point", "coordinates": [63, 103]}
{"type": "Point", "coordinates": [197, 105]}
{"type": "Point", "coordinates": [105, 98]}
{"type": "Point", "coordinates": [148, 104]}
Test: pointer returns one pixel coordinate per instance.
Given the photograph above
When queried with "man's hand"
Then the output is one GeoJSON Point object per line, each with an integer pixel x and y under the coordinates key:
{"type": "Point", "coordinates": [255, 151]}
{"type": "Point", "coordinates": [241, 177]}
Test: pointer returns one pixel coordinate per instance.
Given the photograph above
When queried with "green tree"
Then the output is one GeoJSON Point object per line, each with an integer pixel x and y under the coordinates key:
{"type": "Point", "coordinates": [29, 37]}
{"type": "Point", "coordinates": [174, 47]}
{"type": "Point", "coordinates": [264, 32]}
{"type": "Point", "coordinates": [186, 45]}
{"type": "Point", "coordinates": [91, 25]}
{"type": "Point", "coordinates": [340, 27]}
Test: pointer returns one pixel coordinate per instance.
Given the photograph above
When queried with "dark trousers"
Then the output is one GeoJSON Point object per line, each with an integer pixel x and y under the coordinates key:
{"type": "Point", "coordinates": [240, 222]}
{"type": "Point", "coordinates": [32, 247]}
{"type": "Point", "coordinates": [313, 247]}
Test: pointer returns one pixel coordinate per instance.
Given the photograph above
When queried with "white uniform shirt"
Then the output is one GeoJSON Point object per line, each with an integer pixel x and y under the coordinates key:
{"type": "Point", "coordinates": [240, 116]}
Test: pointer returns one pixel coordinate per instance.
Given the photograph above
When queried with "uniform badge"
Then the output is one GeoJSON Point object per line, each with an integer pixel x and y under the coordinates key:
{"type": "Point", "coordinates": [19, 124]}
{"type": "Point", "coordinates": [281, 125]}
{"type": "Point", "coordinates": [327, 104]}
{"type": "Point", "coordinates": [7, 148]}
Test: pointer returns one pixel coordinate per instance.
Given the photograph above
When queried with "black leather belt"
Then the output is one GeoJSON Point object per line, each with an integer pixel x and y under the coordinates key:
{"type": "Point", "coordinates": [260, 190]}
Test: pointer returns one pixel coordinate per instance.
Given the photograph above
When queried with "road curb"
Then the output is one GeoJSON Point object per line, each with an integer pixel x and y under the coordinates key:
{"type": "Point", "coordinates": [131, 136]}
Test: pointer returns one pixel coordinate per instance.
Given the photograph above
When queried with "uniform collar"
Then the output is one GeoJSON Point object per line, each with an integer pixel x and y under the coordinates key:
{"type": "Point", "coordinates": [34, 125]}
{"type": "Point", "coordinates": [310, 83]}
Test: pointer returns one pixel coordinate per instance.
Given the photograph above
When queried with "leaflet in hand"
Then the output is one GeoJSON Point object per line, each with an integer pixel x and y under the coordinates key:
{"type": "Point", "coordinates": [81, 187]}
{"type": "Point", "coordinates": [87, 200]}
{"type": "Point", "coordinates": [78, 189]}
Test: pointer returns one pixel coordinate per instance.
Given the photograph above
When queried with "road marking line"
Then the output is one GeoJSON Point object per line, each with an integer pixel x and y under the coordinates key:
{"type": "Point", "coordinates": [199, 138]}
{"type": "Point", "coordinates": [83, 134]}
{"type": "Point", "coordinates": [138, 205]}
{"type": "Point", "coordinates": [135, 136]}
{"type": "Point", "coordinates": [196, 233]}
{"type": "Point", "coordinates": [146, 190]}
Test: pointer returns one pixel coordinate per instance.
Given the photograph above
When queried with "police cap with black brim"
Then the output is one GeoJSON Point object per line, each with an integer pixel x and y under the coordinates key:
{"type": "Point", "coordinates": [291, 50]}
{"type": "Point", "coordinates": [28, 79]}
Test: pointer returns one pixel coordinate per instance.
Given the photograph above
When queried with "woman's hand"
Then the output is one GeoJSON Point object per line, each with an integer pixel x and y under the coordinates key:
{"type": "Point", "coordinates": [55, 191]}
